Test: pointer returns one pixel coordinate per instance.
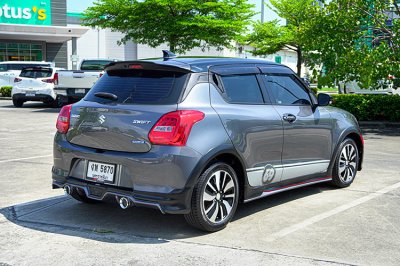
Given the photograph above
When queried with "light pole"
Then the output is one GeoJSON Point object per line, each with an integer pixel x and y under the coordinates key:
{"type": "Point", "coordinates": [262, 11]}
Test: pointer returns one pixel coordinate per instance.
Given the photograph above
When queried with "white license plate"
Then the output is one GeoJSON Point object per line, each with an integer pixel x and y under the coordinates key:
{"type": "Point", "coordinates": [80, 90]}
{"type": "Point", "coordinates": [100, 172]}
{"type": "Point", "coordinates": [30, 93]}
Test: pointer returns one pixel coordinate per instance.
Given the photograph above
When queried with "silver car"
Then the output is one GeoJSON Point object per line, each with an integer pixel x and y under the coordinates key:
{"type": "Point", "coordinates": [198, 136]}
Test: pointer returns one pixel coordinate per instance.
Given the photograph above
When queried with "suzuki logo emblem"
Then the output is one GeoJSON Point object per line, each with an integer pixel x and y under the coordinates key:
{"type": "Point", "coordinates": [102, 119]}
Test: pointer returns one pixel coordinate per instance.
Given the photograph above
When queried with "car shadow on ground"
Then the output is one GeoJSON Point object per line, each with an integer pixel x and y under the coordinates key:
{"type": "Point", "coordinates": [106, 222]}
{"type": "Point", "coordinates": [37, 107]}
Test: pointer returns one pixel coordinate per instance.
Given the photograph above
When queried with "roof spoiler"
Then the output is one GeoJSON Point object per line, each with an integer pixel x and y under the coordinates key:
{"type": "Point", "coordinates": [148, 65]}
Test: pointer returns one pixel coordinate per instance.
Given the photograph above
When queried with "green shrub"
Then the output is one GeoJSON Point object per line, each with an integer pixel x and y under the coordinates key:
{"type": "Point", "coordinates": [369, 107]}
{"type": "Point", "coordinates": [6, 91]}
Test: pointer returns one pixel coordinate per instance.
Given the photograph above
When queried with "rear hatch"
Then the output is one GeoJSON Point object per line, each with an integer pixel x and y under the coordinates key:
{"type": "Point", "coordinates": [119, 111]}
{"type": "Point", "coordinates": [34, 78]}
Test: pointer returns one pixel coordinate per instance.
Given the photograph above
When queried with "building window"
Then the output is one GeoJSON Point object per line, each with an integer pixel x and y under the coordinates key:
{"type": "Point", "coordinates": [21, 51]}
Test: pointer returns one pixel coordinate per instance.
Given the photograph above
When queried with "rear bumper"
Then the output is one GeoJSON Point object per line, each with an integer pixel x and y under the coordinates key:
{"type": "Point", "coordinates": [172, 203]}
{"type": "Point", "coordinates": [161, 178]}
{"type": "Point", "coordinates": [37, 97]}
{"type": "Point", "coordinates": [67, 95]}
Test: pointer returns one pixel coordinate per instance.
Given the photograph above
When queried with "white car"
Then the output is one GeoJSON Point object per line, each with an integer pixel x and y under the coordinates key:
{"type": "Point", "coordinates": [35, 84]}
{"type": "Point", "coordinates": [9, 70]}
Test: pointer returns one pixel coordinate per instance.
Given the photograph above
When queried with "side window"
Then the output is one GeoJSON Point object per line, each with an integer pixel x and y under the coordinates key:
{"type": "Point", "coordinates": [286, 90]}
{"type": "Point", "coordinates": [242, 89]}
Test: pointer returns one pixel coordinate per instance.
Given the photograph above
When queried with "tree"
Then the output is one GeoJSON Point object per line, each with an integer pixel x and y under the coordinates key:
{"type": "Point", "coordinates": [271, 37]}
{"type": "Point", "coordinates": [353, 40]}
{"type": "Point", "coordinates": [182, 24]}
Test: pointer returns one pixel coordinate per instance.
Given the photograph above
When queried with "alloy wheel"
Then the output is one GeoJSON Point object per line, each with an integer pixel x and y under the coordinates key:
{"type": "Point", "coordinates": [347, 163]}
{"type": "Point", "coordinates": [218, 196]}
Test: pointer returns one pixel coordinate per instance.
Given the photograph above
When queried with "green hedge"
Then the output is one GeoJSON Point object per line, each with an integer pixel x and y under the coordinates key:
{"type": "Point", "coordinates": [6, 91]}
{"type": "Point", "coordinates": [370, 107]}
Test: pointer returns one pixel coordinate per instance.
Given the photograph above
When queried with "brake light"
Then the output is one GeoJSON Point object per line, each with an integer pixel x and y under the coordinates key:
{"type": "Point", "coordinates": [55, 78]}
{"type": "Point", "coordinates": [135, 66]}
{"type": "Point", "coordinates": [17, 80]}
{"type": "Point", "coordinates": [48, 80]}
{"type": "Point", "coordinates": [174, 128]}
{"type": "Point", "coordinates": [64, 119]}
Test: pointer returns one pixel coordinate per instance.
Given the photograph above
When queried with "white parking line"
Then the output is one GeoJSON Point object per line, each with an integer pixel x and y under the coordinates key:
{"type": "Point", "coordinates": [26, 158]}
{"type": "Point", "coordinates": [296, 227]}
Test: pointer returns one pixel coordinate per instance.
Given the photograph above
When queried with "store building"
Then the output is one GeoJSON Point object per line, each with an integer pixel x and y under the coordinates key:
{"type": "Point", "coordinates": [36, 30]}
{"type": "Point", "coordinates": [44, 30]}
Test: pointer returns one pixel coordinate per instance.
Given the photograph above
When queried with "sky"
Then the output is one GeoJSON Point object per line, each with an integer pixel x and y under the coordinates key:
{"type": "Point", "coordinates": [80, 5]}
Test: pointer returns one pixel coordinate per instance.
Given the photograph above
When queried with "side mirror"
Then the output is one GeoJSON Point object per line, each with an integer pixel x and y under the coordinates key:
{"type": "Point", "coordinates": [324, 99]}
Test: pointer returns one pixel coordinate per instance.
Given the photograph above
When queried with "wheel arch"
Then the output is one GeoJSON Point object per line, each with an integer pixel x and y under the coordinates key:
{"type": "Point", "coordinates": [228, 155]}
{"type": "Point", "coordinates": [358, 139]}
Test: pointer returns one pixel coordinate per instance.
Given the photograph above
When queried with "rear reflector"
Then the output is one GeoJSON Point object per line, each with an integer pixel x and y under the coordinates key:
{"type": "Point", "coordinates": [64, 119]}
{"type": "Point", "coordinates": [174, 128]}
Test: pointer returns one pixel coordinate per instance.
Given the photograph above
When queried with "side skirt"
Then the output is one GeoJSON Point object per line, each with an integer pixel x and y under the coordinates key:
{"type": "Point", "coordinates": [275, 190]}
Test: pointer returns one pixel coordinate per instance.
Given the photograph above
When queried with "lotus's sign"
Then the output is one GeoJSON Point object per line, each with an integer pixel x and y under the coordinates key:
{"type": "Point", "coordinates": [34, 12]}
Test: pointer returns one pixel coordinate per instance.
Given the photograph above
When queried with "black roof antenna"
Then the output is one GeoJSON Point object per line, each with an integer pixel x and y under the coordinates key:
{"type": "Point", "coordinates": [168, 55]}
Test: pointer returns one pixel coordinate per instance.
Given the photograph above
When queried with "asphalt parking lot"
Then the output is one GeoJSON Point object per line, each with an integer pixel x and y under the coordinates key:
{"type": "Point", "coordinates": [317, 225]}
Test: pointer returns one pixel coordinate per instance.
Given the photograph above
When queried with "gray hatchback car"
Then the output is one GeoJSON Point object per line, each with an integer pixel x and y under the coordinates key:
{"type": "Point", "coordinates": [197, 136]}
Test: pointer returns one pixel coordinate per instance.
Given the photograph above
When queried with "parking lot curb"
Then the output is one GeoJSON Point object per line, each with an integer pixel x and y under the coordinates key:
{"type": "Point", "coordinates": [5, 98]}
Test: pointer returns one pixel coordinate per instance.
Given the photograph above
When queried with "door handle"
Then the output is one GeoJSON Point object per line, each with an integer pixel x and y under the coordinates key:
{"type": "Point", "coordinates": [289, 117]}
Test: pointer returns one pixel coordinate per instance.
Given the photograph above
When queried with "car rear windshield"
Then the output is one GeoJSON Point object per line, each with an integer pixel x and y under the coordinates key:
{"type": "Point", "coordinates": [139, 87]}
{"type": "Point", "coordinates": [36, 73]}
{"type": "Point", "coordinates": [94, 64]}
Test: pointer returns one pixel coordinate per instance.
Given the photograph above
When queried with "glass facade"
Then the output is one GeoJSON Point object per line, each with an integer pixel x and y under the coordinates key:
{"type": "Point", "coordinates": [12, 51]}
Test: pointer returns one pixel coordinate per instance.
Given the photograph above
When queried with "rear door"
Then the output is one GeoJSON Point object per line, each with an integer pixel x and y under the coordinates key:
{"type": "Point", "coordinates": [253, 126]}
{"type": "Point", "coordinates": [307, 134]}
{"type": "Point", "coordinates": [123, 123]}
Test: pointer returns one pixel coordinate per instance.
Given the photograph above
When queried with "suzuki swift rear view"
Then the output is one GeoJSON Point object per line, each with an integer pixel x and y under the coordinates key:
{"type": "Point", "coordinates": [198, 136]}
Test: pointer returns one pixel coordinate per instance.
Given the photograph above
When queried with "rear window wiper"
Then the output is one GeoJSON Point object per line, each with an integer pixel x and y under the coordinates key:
{"type": "Point", "coordinates": [106, 95]}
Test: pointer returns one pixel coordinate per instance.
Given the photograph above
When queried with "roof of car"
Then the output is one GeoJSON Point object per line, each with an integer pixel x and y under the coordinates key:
{"type": "Point", "coordinates": [198, 64]}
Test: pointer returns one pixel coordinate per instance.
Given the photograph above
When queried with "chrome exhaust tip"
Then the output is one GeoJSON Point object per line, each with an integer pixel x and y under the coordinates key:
{"type": "Point", "coordinates": [67, 189]}
{"type": "Point", "coordinates": [124, 203]}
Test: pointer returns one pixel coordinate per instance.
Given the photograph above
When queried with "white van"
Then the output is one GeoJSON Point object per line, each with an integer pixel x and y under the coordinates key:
{"type": "Point", "coordinates": [9, 70]}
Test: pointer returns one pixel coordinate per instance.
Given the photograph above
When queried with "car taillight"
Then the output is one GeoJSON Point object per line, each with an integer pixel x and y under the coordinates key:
{"type": "Point", "coordinates": [17, 80]}
{"type": "Point", "coordinates": [53, 80]}
{"type": "Point", "coordinates": [174, 128]}
{"type": "Point", "coordinates": [63, 119]}
{"type": "Point", "coordinates": [48, 80]}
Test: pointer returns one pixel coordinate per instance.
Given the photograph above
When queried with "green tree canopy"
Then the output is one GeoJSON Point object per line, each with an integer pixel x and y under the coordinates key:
{"type": "Point", "coordinates": [271, 37]}
{"type": "Point", "coordinates": [353, 40]}
{"type": "Point", "coordinates": [182, 24]}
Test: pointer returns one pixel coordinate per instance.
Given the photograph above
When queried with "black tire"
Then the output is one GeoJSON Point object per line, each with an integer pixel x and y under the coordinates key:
{"type": "Point", "coordinates": [56, 103]}
{"type": "Point", "coordinates": [80, 195]}
{"type": "Point", "coordinates": [345, 169]}
{"type": "Point", "coordinates": [225, 198]}
{"type": "Point", "coordinates": [18, 103]}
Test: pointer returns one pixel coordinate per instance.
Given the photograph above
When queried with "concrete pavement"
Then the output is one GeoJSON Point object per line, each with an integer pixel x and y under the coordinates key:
{"type": "Point", "coordinates": [313, 225]}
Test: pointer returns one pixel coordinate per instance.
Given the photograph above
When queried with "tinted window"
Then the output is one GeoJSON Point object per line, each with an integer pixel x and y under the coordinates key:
{"type": "Point", "coordinates": [286, 90]}
{"type": "Point", "coordinates": [36, 73]}
{"type": "Point", "coordinates": [94, 64]}
{"type": "Point", "coordinates": [139, 87]}
{"type": "Point", "coordinates": [242, 89]}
